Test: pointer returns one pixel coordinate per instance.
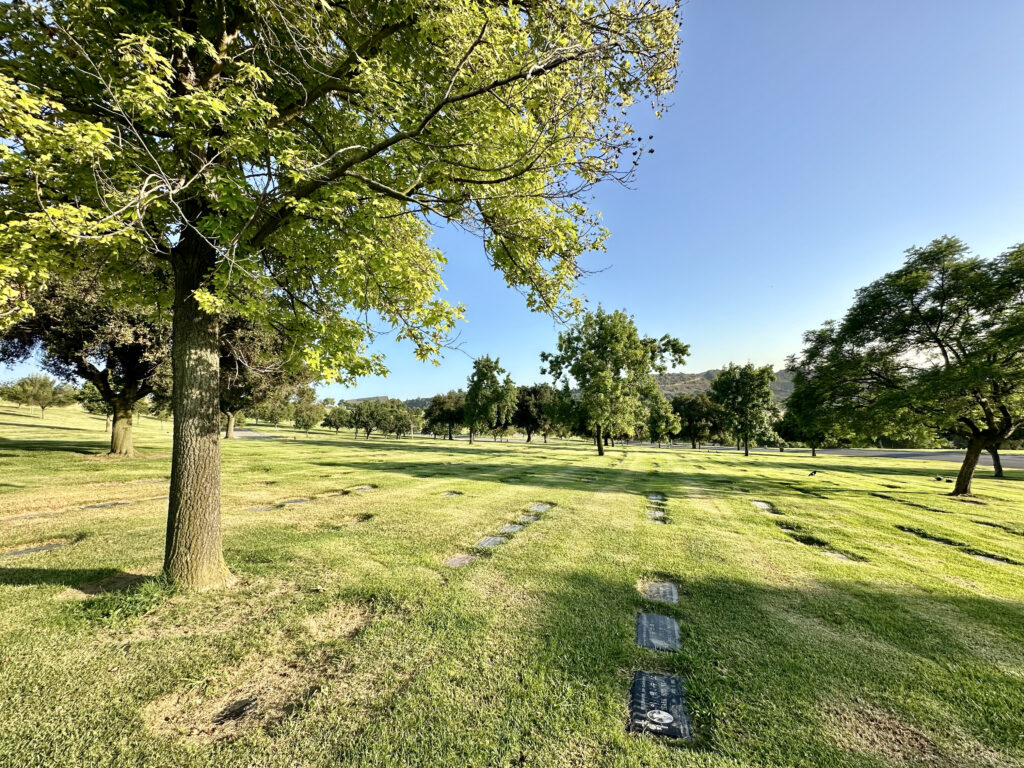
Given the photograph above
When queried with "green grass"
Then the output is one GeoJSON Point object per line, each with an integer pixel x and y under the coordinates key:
{"type": "Point", "coordinates": [347, 642]}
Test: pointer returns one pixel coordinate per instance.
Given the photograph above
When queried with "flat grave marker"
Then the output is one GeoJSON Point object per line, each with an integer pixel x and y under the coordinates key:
{"type": "Point", "coordinates": [458, 561]}
{"type": "Point", "coordinates": [656, 514]}
{"type": "Point", "coordinates": [510, 528]}
{"type": "Point", "coordinates": [657, 632]}
{"type": "Point", "coordinates": [294, 501]}
{"type": "Point", "coordinates": [657, 705]}
{"type": "Point", "coordinates": [528, 518]}
{"type": "Point", "coordinates": [540, 507]}
{"type": "Point", "coordinates": [365, 488]}
{"type": "Point", "coordinates": [34, 550]}
{"type": "Point", "coordinates": [450, 494]}
{"type": "Point", "coordinates": [656, 496]}
{"type": "Point", "coordinates": [491, 541]}
{"type": "Point", "coordinates": [661, 592]}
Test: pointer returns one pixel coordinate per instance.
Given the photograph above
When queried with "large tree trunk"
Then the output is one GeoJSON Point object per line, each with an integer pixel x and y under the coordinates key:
{"type": "Point", "coordinates": [814, 451]}
{"type": "Point", "coordinates": [599, 441]}
{"type": "Point", "coordinates": [121, 443]}
{"type": "Point", "coordinates": [963, 479]}
{"type": "Point", "coordinates": [693, 443]}
{"type": "Point", "coordinates": [746, 447]}
{"type": "Point", "coordinates": [997, 463]}
{"type": "Point", "coordinates": [193, 556]}
{"type": "Point", "coordinates": [229, 428]}
{"type": "Point", "coordinates": [529, 435]}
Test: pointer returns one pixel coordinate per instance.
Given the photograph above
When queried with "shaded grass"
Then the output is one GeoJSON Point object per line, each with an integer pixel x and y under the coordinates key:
{"type": "Point", "coordinates": [912, 655]}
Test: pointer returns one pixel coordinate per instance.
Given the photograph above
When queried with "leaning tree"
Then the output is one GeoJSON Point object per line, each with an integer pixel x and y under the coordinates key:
{"type": "Point", "coordinates": [612, 365]}
{"type": "Point", "coordinates": [285, 161]}
{"type": "Point", "coordinates": [937, 343]}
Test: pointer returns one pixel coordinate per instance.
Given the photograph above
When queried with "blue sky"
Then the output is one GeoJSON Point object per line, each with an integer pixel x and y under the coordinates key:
{"type": "Point", "coordinates": [808, 144]}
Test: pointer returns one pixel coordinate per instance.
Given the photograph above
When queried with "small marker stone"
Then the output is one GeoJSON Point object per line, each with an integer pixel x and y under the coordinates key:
{"type": "Point", "coordinates": [528, 518]}
{"type": "Point", "coordinates": [661, 592]}
{"type": "Point", "coordinates": [656, 514]}
{"type": "Point", "coordinates": [657, 632]}
{"type": "Point", "coordinates": [449, 494]}
{"type": "Point", "coordinates": [107, 505]}
{"type": "Point", "coordinates": [491, 541]}
{"type": "Point", "coordinates": [656, 496]}
{"type": "Point", "coordinates": [510, 528]}
{"type": "Point", "coordinates": [657, 705]}
{"type": "Point", "coordinates": [540, 507]}
{"type": "Point", "coordinates": [459, 560]}
{"type": "Point", "coordinates": [34, 550]}
{"type": "Point", "coordinates": [762, 505]}
{"type": "Point", "coordinates": [364, 488]}
{"type": "Point", "coordinates": [294, 501]}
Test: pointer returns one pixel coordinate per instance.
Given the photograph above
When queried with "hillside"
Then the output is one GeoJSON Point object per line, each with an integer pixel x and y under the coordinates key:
{"type": "Point", "coordinates": [691, 383]}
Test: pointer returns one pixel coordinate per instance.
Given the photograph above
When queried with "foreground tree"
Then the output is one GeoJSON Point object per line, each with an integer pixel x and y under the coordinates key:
{"type": "Point", "coordinates": [86, 330]}
{"type": "Point", "coordinates": [490, 400]}
{"type": "Point", "coordinates": [937, 343]}
{"type": "Point", "coordinates": [744, 394]}
{"type": "Point", "coordinates": [612, 365]}
{"type": "Point", "coordinates": [283, 160]}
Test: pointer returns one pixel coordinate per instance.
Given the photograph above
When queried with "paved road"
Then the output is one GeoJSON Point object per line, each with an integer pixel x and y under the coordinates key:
{"type": "Point", "coordinates": [1010, 460]}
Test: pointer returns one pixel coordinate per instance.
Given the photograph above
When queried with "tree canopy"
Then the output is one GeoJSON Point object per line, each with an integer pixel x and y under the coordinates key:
{"type": "Point", "coordinates": [938, 342]}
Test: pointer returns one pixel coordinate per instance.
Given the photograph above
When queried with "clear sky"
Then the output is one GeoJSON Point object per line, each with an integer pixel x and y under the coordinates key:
{"type": "Point", "coordinates": [808, 144]}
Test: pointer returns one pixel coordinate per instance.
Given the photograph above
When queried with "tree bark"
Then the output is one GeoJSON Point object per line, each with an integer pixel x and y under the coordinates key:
{"type": "Point", "coordinates": [600, 442]}
{"type": "Point", "coordinates": [814, 452]}
{"type": "Point", "coordinates": [229, 428]}
{"type": "Point", "coordinates": [746, 447]}
{"type": "Point", "coordinates": [997, 463]}
{"type": "Point", "coordinates": [193, 556]}
{"type": "Point", "coordinates": [106, 427]}
{"type": "Point", "coordinates": [529, 435]}
{"type": "Point", "coordinates": [121, 443]}
{"type": "Point", "coordinates": [963, 479]}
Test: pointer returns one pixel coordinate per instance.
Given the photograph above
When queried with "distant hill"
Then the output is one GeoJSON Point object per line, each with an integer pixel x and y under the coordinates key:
{"type": "Point", "coordinates": [691, 383]}
{"type": "Point", "coordinates": [366, 399]}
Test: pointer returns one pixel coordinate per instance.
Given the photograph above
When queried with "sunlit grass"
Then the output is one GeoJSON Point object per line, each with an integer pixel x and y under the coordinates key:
{"type": "Point", "coordinates": [816, 633]}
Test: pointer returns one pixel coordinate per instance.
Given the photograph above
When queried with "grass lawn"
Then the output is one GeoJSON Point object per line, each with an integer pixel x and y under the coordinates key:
{"type": "Point", "coordinates": [864, 619]}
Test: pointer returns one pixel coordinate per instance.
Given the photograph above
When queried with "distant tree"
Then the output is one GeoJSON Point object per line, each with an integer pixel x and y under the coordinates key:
{"type": "Point", "coordinates": [490, 400]}
{"type": "Point", "coordinates": [612, 366]}
{"type": "Point", "coordinates": [415, 420]}
{"type": "Point", "coordinates": [745, 396]}
{"type": "Point", "coordinates": [935, 344]}
{"type": "Point", "coordinates": [336, 418]}
{"type": "Point", "coordinates": [93, 402]}
{"type": "Point", "coordinates": [444, 414]}
{"type": "Point", "coordinates": [41, 391]}
{"type": "Point", "coordinates": [256, 364]}
{"type": "Point", "coordinates": [662, 421]}
{"type": "Point", "coordinates": [369, 416]}
{"type": "Point", "coordinates": [97, 334]}
{"type": "Point", "coordinates": [532, 409]}
{"type": "Point", "coordinates": [809, 417]}
{"type": "Point", "coordinates": [309, 412]}
{"type": "Point", "coordinates": [699, 417]}
{"type": "Point", "coordinates": [396, 418]}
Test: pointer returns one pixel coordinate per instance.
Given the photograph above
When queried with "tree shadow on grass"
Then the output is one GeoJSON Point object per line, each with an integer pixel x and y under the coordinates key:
{"type": "Point", "coordinates": [92, 581]}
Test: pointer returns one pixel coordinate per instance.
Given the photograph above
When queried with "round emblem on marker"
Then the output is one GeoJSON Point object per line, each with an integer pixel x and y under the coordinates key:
{"type": "Point", "coordinates": [659, 716]}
